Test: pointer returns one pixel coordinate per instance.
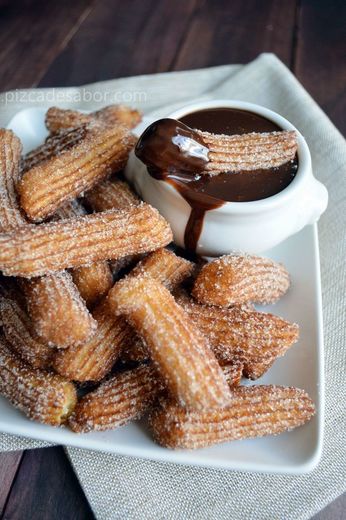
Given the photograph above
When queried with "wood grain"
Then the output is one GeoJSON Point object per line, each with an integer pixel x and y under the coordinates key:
{"type": "Point", "coordinates": [32, 34]}
{"type": "Point", "coordinates": [320, 61]}
{"type": "Point", "coordinates": [236, 32]}
{"type": "Point", "coordinates": [9, 464]}
{"type": "Point", "coordinates": [117, 40]}
{"type": "Point", "coordinates": [46, 489]}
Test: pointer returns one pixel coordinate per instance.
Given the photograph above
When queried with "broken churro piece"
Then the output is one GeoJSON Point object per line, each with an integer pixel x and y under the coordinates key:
{"type": "Point", "coordinates": [42, 396]}
{"type": "Point", "coordinates": [93, 359]}
{"type": "Point", "coordinates": [37, 250]}
{"type": "Point", "coordinates": [124, 397]}
{"type": "Point", "coordinates": [112, 115]}
{"type": "Point", "coordinates": [253, 412]}
{"type": "Point", "coordinates": [234, 279]}
{"type": "Point", "coordinates": [46, 186]}
{"type": "Point", "coordinates": [180, 352]}
{"type": "Point", "coordinates": [21, 337]}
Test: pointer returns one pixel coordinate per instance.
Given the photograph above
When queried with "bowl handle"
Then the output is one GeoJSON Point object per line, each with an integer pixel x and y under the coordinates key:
{"type": "Point", "coordinates": [317, 200]}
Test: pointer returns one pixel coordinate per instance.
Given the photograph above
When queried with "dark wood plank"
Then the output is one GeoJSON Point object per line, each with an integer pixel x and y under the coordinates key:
{"type": "Point", "coordinates": [46, 489]}
{"type": "Point", "coordinates": [236, 32]}
{"type": "Point", "coordinates": [9, 464]}
{"type": "Point", "coordinates": [122, 39]}
{"type": "Point", "coordinates": [32, 34]}
{"type": "Point", "coordinates": [320, 61]}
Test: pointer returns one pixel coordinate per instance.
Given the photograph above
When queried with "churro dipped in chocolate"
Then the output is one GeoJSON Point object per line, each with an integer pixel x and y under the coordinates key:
{"type": "Point", "coordinates": [171, 145]}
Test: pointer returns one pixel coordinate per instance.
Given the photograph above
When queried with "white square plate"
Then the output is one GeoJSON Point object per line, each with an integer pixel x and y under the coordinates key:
{"type": "Point", "coordinates": [294, 452]}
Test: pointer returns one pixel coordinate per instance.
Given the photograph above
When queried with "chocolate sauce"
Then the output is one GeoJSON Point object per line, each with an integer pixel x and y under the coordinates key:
{"type": "Point", "coordinates": [176, 154]}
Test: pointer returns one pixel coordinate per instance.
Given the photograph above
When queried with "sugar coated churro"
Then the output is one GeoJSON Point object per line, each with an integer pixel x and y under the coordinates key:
{"type": "Point", "coordinates": [42, 396]}
{"type": "Point", "coordinates": [111, 194]}
{"type": "Point", "coordinates": [46, 186]}
{"type": "Point", "coordinates": [10, 151]}
{"type": "Point", "coordinates": [38, 250]}
{"type": "Point", "coordinates": [237, 331]}
{"type": "Point", "coordinates": [21, 337]}
{"type": "Point", "coordinates": [61, 119]}
{"type": "Point", "coordinates": [253, 412]}
{"type": "Point", "coordinates": [59, 314]}
{"type": "Point", "coordinates": [123, 398]}
{"type": "Point", "coordinates": [234, 279]}
{"type": "Point", "coordinates": [179, 351]}
{"type": "Point", "coordinates": [93, 359]}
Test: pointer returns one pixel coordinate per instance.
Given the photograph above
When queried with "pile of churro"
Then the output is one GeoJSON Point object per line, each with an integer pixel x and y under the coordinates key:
{"type": "Point", "coordinates": [102, 324]}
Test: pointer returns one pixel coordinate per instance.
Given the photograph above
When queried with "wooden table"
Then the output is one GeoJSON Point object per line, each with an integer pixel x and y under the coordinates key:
{"type": "Point", "coordinates": [46, 44]}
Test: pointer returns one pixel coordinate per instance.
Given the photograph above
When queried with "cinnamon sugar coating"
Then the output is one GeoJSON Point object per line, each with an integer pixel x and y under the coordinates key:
{"type": "Point", "coordinates": [240, 278]}
{"type": "Point", "coordinates": [253, 412]}
{"type": "Point", "coordinates": [39, 250]}
{"type": "Point", "coordinates": [111, 194]}
{"type": "Point", "coordinates": [42, 396]}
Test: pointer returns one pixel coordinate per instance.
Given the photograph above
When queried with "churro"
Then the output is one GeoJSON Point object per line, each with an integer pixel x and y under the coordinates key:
{"type": "Point", "coordinates": [93, 281]}
{"type": "Point", "coordinates": [61, 119]}
{"type": "Point", "coordinates": [10, 151]}
{"type": "Point", "coordinates": [111, 194]}
{"type": "Point", "coordinates": [237, 278]}
{"type": "Point", "coordinates": [38, 250]}
{"type": "Point", "coordinates": [61, 315]}
{"type": "Point", "coordinates": [180, 352]}
{"type": "Point", "coordinates": [253, 412]}
{"type": "Point", "coordinates": [21, 337]}
{"type": "Point", "coordinates": [46, 186]}
{"type": "Point", "coordinates": [123, 398]}
{"type": "Point", "coordinates": [93, 359]}
{"type": "Point", "coordinates": [246, 152]}
{"type": "Point", "coordinates": [237, 331]}
{"type": "Point", "coordinates": [256, 368]}
{"type": "Point", "coordinates": [42, 396]}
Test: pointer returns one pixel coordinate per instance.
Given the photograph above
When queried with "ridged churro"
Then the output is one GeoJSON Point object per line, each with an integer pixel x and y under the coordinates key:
{"type": "Point", "coordinates": [233, 372]}
{"type": "Point", "coordinates": [21, 337]}
{"type": "Point", "coordinates": [10, 151]}
{"type": "Point", "coordinates": [234, 279]}
{"type": "Point", "coordinates": [237, 331]}
{"type": "Point", "coordinates": [61, 119]}
{"type": "Point", "coordinates": [256, 368]}
{"type": "Point", "coordinates": [62, 314]}
{"type": "Point", "coordinates": [59, 314]}
{"type": "Point", "coordinates": [253, 412]}
{"type": "Point", "coordinates": [124, 397]}
{"type": "Point", "coordinates": [42, 396]}
{"type": "Point", "coordinates": [46, 186]}
{"type": "Point", "coordinates": [53, 146]}
{"type": "Point", "coordinates": [246, 152]}
{"type": "Point", "coordinates": [183, 358]}
{"type": "Point", "coordinates": [39, 250]}
{"type": "Point", "coordinates": [93, 359]}
{"type": "Point", "coordinates": [111, 194]}
{"type": "Point", "coordinates": [92, 281]}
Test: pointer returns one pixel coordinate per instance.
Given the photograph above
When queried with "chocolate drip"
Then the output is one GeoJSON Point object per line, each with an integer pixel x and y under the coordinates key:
{"type": "Point", "coordinates": [176, 154]}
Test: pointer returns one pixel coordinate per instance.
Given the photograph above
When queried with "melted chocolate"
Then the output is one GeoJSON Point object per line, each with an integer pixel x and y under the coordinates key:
{"type": "Point", "coordinates": [176, 154]}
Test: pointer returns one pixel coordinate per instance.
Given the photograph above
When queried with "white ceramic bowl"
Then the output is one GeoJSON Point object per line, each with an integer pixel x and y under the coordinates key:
{"type": "Point", "coordinates": [246, 226]}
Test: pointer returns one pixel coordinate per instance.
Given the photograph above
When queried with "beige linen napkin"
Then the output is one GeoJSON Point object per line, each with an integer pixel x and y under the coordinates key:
{"type": "Point", "coordinates": [127, 488]}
